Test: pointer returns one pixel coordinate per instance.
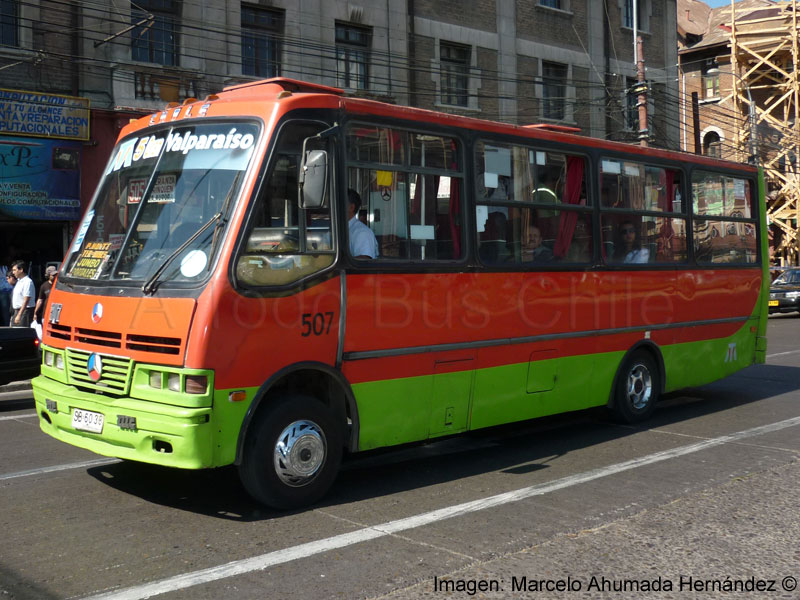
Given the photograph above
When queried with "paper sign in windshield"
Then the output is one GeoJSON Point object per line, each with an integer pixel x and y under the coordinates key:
{"type": "Point", "coordinates": [91, 260]}
{"type": "Point", "coordinates": [163, 190]}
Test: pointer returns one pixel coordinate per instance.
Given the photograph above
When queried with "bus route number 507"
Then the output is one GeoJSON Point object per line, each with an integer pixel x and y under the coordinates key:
{"type": "Point", "coordinates": [317, 323]}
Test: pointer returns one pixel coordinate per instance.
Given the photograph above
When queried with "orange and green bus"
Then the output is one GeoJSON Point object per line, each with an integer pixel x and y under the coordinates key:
{"type": "Point", "coordinates": [280, 274]}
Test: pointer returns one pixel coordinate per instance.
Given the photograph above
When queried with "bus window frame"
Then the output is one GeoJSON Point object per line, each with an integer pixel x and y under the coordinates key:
{"type": "Point", "coordinates": [592, 198]}
{"type": "Point", "coordinates": [463, 137]}
{"type": "Point", "coordinates": [684, 214]}
{"type": "Point", "coordinates": [755, 220]}
{"type": "Point", "coordinates": [262, 178]}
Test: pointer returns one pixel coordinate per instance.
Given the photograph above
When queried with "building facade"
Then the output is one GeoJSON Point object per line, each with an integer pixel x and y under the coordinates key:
{"type": "Point", "coordinates": [566, 62]}
{"type": "Point", "coordinates": [740, 89]}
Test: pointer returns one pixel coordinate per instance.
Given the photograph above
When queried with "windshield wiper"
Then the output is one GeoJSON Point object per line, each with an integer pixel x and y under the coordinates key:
{"type": "Point", "coordinates": [150, 285]}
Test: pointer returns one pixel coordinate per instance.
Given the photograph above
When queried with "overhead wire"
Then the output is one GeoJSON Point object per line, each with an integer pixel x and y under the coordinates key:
{"type": "Point", "coordinates": [298, 52]}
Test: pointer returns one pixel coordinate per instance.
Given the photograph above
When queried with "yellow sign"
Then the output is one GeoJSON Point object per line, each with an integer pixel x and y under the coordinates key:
{"type": "Point", "coordinates": [91, 260]}
{"type": "Point", "coordinates": [43, 115]}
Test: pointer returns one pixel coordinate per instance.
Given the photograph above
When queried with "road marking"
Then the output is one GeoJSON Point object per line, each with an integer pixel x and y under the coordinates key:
{"type": "Point", "coordinates": [65, 467]}
{"type": "Point", "coordinates": [782, 353]}
{"type": "Point", "coordinates": [12, 417]}
{"type": "Point", "coordinates": [264, 561]}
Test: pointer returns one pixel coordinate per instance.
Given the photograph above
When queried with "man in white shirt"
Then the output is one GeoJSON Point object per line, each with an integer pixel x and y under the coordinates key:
{"type": "Point", "coordinates": [23, 298]}
{"type": "Point", "coordinates": [362, 241]}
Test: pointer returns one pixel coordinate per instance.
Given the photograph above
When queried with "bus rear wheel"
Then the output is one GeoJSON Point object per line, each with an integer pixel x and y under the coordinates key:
{"type": "Point", "coordinates": [292, 453]}
{"type": "Point", "coordinates": [637, 387]}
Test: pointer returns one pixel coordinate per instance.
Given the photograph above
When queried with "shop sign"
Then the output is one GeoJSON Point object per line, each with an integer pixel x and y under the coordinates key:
{"type": "Point", "coordinates": [43, 115]}
{"type": "Point", "coordinates": [40, 179]}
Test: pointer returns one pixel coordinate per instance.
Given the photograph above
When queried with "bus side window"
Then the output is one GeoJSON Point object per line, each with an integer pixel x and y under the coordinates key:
{"type": "Point", "coordinates": [412, 200]}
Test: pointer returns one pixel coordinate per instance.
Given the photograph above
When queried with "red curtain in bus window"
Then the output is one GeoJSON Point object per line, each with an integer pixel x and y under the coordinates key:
{"type": "Point", "coordinates": [664, 243]}
{"type": "Point", "coordinates": [572, 195]}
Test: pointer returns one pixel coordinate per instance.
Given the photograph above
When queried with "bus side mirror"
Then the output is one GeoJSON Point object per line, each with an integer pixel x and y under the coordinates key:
{"type": "Point", "coordinates": [313, 180]}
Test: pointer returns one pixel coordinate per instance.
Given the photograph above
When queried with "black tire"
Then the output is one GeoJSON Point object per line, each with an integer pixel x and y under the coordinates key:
{"type": "Point", "coordinates": [637, 388]}
{"type": "Point", "coordinates": [292, 453]}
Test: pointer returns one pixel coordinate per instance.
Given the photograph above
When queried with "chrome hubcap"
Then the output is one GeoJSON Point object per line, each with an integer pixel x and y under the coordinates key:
{"type": "Point", "coordinates": [299, 453]}
{"type": "Point", "coordinates": [640, 386]}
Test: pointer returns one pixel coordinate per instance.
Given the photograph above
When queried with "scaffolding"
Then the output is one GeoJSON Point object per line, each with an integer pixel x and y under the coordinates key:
{"type": "Point", "coordinates": [766, 91]}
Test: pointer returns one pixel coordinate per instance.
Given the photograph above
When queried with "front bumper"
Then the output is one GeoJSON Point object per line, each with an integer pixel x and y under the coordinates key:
{"type": "Point", "coordinates": [166, 435]}
{"type": "Point", "coordinates": [784, 305]}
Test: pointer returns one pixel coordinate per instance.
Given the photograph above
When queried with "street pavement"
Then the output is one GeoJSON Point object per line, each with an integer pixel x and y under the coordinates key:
{"type": "Point", "coordinates": [699, 502]}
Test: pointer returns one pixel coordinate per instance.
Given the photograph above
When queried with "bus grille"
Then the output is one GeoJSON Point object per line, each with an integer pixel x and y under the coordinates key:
{"type": "Point", "coordinates": [114, 376]}
{"type": "Point", "coordinates": [98, 338]}
{"type": "Point", "coordinates": [62, 332]}
{"type": "Point", "coordinates": [152, 343]}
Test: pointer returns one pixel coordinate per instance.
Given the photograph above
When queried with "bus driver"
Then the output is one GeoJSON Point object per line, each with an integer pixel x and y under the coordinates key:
{"type": "Point", "coordinates": [362, 241]}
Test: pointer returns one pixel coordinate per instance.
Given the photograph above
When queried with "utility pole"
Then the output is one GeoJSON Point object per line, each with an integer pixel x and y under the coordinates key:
{"type": "Point", "coordinates": [641, 84]}
{"type": "Point", "coordinates": [641, 91]}
{"type": "Point", "coordinates": [698, 149]}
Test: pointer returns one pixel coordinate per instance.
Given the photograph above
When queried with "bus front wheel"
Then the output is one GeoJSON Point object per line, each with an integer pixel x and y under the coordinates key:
{"type": "Point", "coordinates": [636, 390]}
{"type": "Point", "coordinates": [292, 453]}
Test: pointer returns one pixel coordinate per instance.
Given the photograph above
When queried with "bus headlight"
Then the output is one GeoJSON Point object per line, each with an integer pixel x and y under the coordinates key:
{"type": "Point", "coordinates": [155, 379]}
{"type": "Point", "coordinates": [174, 382]}
{"type": "Point", "coordinates": [54, 359]}
{"type": "Point", "coordinates": [793, 294]}
{"type": "Point", "coordinates": [196, 384]}
{"type": "Point", "coordinates": [172, 385]}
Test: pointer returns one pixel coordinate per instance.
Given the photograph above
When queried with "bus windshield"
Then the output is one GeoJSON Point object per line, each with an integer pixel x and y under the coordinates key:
{"type": "Point", "coordinates": [158, 197]}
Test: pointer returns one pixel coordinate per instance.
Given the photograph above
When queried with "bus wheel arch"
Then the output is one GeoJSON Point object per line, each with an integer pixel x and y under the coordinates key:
{"type": "Point", "coordinates": [638, 383]}
{"type": "Point", "coordinates": [315, 380]}
{"type": "Point", "coordinates": [292, 455]}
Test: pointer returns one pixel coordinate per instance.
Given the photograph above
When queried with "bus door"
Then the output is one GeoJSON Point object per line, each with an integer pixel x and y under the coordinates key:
{"type": "Point", "coordinates": [406, 347]}
{"type": "Point", "coordinates": [453, 379]}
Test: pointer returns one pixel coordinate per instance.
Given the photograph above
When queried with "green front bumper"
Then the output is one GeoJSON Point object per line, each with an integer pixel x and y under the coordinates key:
{"type": "Point", "coordinates": [165, 435]}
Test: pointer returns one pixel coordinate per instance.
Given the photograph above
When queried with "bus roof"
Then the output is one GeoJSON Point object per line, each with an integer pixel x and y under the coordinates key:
{"type": "Point", "coordinates": [257, 98]}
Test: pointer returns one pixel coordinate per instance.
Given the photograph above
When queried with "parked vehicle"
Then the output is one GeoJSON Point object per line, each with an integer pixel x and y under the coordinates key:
{"type": "Point", "coordinates": [19, 354]}
{"type": "Point", "coordinates": [784, 292]}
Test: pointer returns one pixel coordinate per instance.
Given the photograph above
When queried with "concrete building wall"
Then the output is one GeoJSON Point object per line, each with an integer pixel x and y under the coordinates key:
{"type": "Point", "coordinates": [508, 41]}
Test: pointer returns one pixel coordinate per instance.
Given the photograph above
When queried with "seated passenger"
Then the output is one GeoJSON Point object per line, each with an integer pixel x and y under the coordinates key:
{"type": "Point", "coordinates": [493, 247]}
{"type": "Point", "coordinates": [629, 249]}
{"type": "Point", "coordinates": [580, 248]}
{"type": "Point", "coordinates": [535, 249]}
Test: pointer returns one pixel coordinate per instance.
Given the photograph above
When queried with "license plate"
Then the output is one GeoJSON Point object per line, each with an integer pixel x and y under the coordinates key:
{"type": "Point", "coordinates": [84, 420]}
{"type": "Point", "coordinates": [774, 303]}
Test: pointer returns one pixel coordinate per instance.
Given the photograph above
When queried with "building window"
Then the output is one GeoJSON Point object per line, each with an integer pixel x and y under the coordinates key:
{"type": "Point", "coordinates": [9, 19]}
{"type": "Point", "coordinates": [261, 48]}
{"type": "Point", "coordinates": [627, 14]}
{"type": "Point", "coordinates": [711, 81]}
{"type": "Point", "coordinates": [554, 90]}
{"type": "Point", "coordinates": [712, 145]}
{"type": "Point", "coordinates": [155, 40]}
{"type": "Point", "coordinates": [352, 55]}
{"type": "Point", "coordinates": [550, 3]}
{"type": "Point", "coordinates": [454, 60]}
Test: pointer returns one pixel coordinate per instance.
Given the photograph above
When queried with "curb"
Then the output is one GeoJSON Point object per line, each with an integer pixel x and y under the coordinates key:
{"type": "Point", "coordinates": [16, 386]}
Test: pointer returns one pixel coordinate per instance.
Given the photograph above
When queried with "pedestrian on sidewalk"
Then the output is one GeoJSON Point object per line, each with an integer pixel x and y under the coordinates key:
{"type": "Point", "coordinates": [10, 281]}
{"type": "Point", "coordinates": [44, 294]}
{"type": "Point", "coordinates": [6, 287]}
{"type": "Point", "coordinates": [23, 297]}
